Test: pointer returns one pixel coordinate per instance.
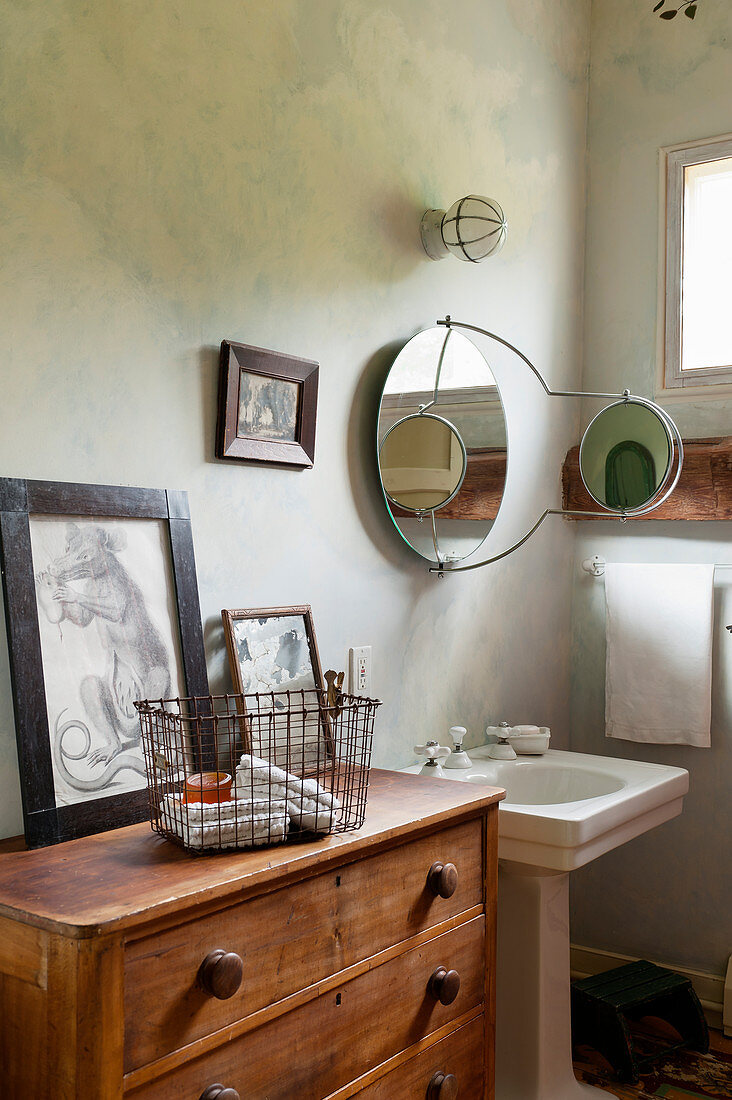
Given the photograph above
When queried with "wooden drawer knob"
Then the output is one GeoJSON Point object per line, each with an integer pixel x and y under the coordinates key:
{"type": "Point", "coordinates": [444, 985]}
{"type": "Point", "coordinates": [443, 1086]}
{"type": "Point", "coordinates": [218, 1092]}
{"type": "Point", "coordinates": [220, 976]}
{"type": "Point", "coordinates": [443, 879]}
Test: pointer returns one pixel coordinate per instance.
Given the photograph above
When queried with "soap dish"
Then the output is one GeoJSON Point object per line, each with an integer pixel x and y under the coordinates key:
{"type": "Point", "coordinates": [529, 740]}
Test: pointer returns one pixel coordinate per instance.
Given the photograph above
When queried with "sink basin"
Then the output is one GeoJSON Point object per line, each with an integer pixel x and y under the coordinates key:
{"type": "Point", "coordinates": [561, 810]}
{"type": "Point", "coordinates": [528, 784]}
{"type": "Point", "coordinates": [564, 809]}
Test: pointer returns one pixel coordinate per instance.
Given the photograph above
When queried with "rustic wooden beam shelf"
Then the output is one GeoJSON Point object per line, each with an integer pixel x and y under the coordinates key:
{"type": "Point", "coordinates": [704, 491]}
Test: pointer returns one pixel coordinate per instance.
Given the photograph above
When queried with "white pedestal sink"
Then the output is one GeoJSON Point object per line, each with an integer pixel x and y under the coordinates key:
{"type": "Point", "coordinates": [561, 810]}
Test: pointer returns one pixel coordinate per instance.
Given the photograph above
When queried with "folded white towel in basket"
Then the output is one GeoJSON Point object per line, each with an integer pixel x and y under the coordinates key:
{"type": "Point", "coordinates": [255, 769]}
{"type": "Point", "coordinates": [315, 816]}
{"type": "Point", "coordinates": [232, 835]}
{"type": "Point", "coordinates": [246, 787]}
{"type": "Point", "coordinates": [211, 813]}
{"type": "Point", "coordinates": [318, 814]}
{"type": "Point", "coordinates": [307, 788]}
{"type": "Point", "coordinates": [256, 778]}
{"type": "Point", "coordinates": [243, 823]}
{"type": "Point", "coordinates": [309, 804]}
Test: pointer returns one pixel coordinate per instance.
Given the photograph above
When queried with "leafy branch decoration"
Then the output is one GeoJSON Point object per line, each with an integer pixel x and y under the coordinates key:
{"type": "Point", "coordinates": [688, 7]}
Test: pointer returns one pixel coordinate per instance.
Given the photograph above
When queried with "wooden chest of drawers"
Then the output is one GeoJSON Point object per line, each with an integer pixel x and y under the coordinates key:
{"type": "Point", "coordinates": [359, 965]}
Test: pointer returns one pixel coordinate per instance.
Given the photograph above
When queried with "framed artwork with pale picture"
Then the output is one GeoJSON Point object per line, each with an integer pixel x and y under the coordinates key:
{"type": "Point", "coordinates": [272, 650]}
{"type": "Point", "coordinates": [267, 406]}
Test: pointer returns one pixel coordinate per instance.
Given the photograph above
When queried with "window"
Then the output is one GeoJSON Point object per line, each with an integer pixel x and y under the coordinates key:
{"type": "Point", "coordinates": [699, 264]}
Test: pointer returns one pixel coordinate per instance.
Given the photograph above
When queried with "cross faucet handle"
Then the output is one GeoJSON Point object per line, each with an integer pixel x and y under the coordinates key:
{"type": "Point", "coordinates": [432, 750]}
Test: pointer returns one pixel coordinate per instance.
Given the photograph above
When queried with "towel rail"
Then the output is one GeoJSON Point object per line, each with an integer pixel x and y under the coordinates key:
{"type": "Point", "coordinates": [595, 566]}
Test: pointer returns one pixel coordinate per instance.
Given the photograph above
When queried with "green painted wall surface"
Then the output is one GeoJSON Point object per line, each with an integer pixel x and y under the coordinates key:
{"type": "Point", "coordinates": [173, 174]}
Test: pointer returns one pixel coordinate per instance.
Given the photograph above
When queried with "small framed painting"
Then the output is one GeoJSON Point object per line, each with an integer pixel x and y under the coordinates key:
{"type": "Point", "coordinates": [101, 604]}
{"type": "Point", "coordinates": [267, 406]}
{"type": "Point", "coordinates": [273, 649]}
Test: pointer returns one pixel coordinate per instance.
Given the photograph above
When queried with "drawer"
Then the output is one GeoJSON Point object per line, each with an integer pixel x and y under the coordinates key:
{"type": "Point", "coordinates": [291, 939]}
{"type": "Point", "coordinates": [319, 1047]}
{"type": "Point", "coordinates": [461, 1055]}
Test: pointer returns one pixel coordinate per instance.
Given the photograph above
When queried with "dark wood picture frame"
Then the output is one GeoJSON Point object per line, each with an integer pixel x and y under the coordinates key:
{"type": "Point", "coordinates": [298, 452]}
{"type": "Point", "coordinates": [20, 500]}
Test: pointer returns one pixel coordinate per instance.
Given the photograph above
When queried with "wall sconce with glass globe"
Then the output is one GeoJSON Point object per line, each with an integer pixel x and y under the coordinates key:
{"type": "Point", "coordinates": [473, 229]}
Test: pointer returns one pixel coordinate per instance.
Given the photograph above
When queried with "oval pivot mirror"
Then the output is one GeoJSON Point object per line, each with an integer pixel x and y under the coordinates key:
{"type": "Point", "coordinates": [442, 445]}
{"type": "Point", "coordinates": [626, 455]}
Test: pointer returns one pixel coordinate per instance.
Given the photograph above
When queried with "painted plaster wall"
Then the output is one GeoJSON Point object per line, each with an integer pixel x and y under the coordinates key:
{"type": "Point", "coordinates": [667, 895]}
{"type": "Point", "coordinates": [652, 84]}
{"type": "Point", "coordinates": [174, 174]}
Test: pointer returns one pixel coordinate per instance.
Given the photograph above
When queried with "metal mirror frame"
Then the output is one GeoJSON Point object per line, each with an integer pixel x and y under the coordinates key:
{"type": "Point", "coordinates": [422, 415]}
{"type": "Point", "coordinates": [421, 513]}
{"type": "Point", "coordinates": [663, 492]}
{"type": "Point", "coordinates": [664, 421]}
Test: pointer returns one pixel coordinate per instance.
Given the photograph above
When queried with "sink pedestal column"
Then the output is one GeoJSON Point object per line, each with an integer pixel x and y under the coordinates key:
{"type": "Point", "coordinates": [533, 1031]}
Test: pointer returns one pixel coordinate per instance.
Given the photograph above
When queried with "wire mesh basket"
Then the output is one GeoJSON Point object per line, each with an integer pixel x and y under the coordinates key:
{"type": "Point", "coordinates": [245, 771]}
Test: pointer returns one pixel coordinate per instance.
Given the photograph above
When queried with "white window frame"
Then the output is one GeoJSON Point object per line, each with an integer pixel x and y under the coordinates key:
{"type": "Point", "coordinates": [714, 381]}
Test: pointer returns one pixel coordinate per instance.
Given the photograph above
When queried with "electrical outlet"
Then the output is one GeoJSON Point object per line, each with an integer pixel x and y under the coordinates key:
{"type": "Point", "coordinates": [359, 670]}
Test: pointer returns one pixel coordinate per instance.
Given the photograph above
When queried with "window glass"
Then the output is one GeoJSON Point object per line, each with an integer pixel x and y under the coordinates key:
{"type": "Point", "coordinates": [706, 322]}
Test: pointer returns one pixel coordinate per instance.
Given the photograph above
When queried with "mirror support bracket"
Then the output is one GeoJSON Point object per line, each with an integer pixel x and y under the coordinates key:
{"type": "Point", "coordinates": [442, 568]}
{"type": "Point", "coordinates": [662, 494]}
{"type": "Point", "coordinates": [449, 323]}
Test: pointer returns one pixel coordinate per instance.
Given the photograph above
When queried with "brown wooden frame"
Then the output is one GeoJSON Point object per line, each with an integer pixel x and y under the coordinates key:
{"type": "Point", "coordinates": [269, 364]}
{"type": "Point", "coordinates": [44, 821]}
{"type": "Point", "coordinates": [230, 617]}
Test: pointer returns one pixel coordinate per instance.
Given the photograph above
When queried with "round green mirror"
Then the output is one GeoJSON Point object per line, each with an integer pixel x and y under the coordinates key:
{"type": "Point", "coordinates": [626, 455]}
{"type": "Point", "coordinates": [422, 462]}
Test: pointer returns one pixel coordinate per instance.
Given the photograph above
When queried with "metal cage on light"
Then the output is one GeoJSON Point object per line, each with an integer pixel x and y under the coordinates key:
{"type": "Point", "coordinates": [473, 229]}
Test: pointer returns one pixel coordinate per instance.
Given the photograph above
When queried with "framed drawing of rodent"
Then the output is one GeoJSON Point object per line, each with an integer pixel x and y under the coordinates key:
{"type": "Point", "coordinates": [101, 606]}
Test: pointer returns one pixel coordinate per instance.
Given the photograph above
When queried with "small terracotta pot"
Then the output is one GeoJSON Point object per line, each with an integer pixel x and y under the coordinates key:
{"type": "Point", "coordinates": [210, 787]}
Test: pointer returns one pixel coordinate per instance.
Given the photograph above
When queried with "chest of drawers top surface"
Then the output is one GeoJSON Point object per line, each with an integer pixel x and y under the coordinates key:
{"type": "Point", "coordinates": [114, 881]}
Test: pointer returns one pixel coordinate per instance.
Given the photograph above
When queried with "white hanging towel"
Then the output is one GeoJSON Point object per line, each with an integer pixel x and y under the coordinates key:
{"type": "Point", "coordinates": [658, 674]}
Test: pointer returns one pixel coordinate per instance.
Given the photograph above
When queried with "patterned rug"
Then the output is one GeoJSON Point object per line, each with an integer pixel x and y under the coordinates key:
{"type": "Point", "coordinates": [680, 1075]}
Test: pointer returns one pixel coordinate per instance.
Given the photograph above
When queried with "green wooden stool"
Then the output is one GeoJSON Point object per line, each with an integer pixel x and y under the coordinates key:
{"type": "Point", "coordinates": [603, 1004]}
